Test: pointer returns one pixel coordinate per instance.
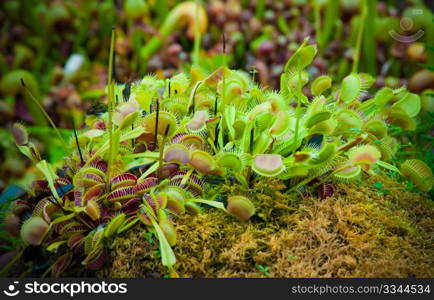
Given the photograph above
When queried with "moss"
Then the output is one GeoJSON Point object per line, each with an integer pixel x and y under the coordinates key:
{"type": "Point", "coordinates": [356, 233]}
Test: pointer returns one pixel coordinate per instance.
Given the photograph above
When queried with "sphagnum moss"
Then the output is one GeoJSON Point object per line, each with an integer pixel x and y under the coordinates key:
{"type": "Point", "coordinates": [355, 233]}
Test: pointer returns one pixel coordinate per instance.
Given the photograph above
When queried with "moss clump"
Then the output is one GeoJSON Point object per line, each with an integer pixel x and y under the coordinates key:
{"type": "Point", "coordinates": [356, 233]}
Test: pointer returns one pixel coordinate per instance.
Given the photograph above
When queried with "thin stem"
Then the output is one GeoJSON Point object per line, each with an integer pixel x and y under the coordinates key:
{"type": "Point", "coordinates": [297, 113]}
{"type": "Point", "coordinates": [252, 136]}
{"type": "Point", "coordinates": [260, 9]}
{"type": "Point", "coordinates": [369, 43]}
{"type": "Point", "coordinates": [126, 92]}
{"type": "Point", "coordinates": [249, 170]}
{"type": "Point", "coordinates": [356, 56]}
{"type": "Point", "coordinates": [161, 149]}
{"type": "Point", "coordinates": [47, 271]}
{"type": "Point", "coordinates": [215, 106]}
{"type": "Point", "coordinates": [157, 117]}
{"type": "Point", "coordinates": [224, 67]}
{"type": "Point", "coordinates": [45, 114]}
{"type": "Point", "coordinates": [56, 203]}
{"type": "Point", "coordinates": [133, 143]}
{"type": "Point", "coordinates": [84, 222]}
{"type": "Point", "coordinates": [162, 9]}
{"type": "Point", "coordinates": [317, 16]}
{"type": "Point", "coordinates": [216, 137]}
{"type": "Point", "coordinates": [197, 34]}
{"type": "Point", "coordinates": [213, 147]}
{"type": "Point", "coordinates": [110, 106]}
{"type": "Point", "coordinates": [28, 271]}
{"type": "Point", "coordinates": [330, 19]}
{"type": "Point", "coordinates": [76, 142]}
{"type": "Point", "coordinates": [5, 270]}
{"type": "Point", "coordinates": [193, 95]}
{"type": "Point", "coordinates": [186, 177]}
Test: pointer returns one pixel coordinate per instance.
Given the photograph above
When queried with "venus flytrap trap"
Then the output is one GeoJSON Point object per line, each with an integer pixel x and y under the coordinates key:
{"type": "Point", "coordinates": [170, 145]}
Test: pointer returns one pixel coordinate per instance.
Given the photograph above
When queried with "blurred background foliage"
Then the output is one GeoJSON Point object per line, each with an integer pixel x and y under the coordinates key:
{"type": "Point", "coordinates": [60, 49]}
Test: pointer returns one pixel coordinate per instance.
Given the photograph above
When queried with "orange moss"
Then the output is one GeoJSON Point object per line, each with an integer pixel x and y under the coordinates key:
{"type": "Point", "coordinates": [356, 233]}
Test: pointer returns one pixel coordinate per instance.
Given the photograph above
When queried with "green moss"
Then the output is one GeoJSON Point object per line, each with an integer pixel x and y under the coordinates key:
{"type": "Point", "coordinates": [355, 233]}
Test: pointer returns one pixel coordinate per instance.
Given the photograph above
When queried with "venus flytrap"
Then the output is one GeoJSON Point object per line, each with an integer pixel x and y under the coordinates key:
{"type": "Point", "coordinates": [419, 173]}
{"type": "Point", "coordinates": [196, 132]}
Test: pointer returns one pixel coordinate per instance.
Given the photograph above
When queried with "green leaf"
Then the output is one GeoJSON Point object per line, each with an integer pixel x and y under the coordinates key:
{"type": "Point", "coordinates": [49, 174]}
{"type": "Point", "coordinates": [378, 185]}
{"type": "Point", "coordinates": [132, 134]}
{"type": "Point", "coordinates": [54, 246]}
{"type": "Point", "coordinates": [147, 154]}
{"type": "Point", "coordinates": [27, 152]}
{"type": "Point", "coordinates": [215, 204]}
{"type": "Point", "coordinates": [151, 169]}
{"type": "Point", "coordinates": [388, 166]}
{"type": "Point", "coordinates": [168, 258]}
{"type": "Point", "coordinates": [127, 225]}
{"type": "Point", "coordinates": [301, 58]}
{"type": "Point", "coordinates": [62, 219]}
{"type": "Point", "coordinates": [138, 162]}
{"type": "Point", "coordinates": [114, 225]}
{"type": "Point", "coordinates": [291, 257]}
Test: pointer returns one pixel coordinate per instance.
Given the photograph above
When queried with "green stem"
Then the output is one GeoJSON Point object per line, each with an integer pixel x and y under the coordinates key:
{"type": "Point", "coordinates": [171, 23]}
{"type": "Point", "coordinates": [161, 149]}
{"type": "Point", "coordinates": [211, 143]}
{"type": "Point", "coordinates": [157, 117]}
{"type": "Point", "coordinates": [224, 73]}
{"type": "Point", "coordinates": [162, 9]}
{"type": "Point", "coordinates": [356, 56]}
{"type": "Point", "coordinates": [331, 15]}
{"type": "Point", "coordinates": [110, 107]}
{"type": "Point", "coordinates": [47, 272]}
{"type": "Point", "coordinates": [317, 16]}
{"type": "Point", "coordinates": [45, 114]}
{"type": "Point", "coordinates": [283, 27]}
{"type": "Point", "coordinates": [6, 269]}
{"type": "Point", "coordinates": [76, 141]}
{"type": "Point", "coordinates": [369, 44]}
{"type": "Point", "coordinates": [197, 34]}
{"type": "Point", "coordinates": [297, 114]}
{"type": "Point", "coordinates": [260, 9]}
